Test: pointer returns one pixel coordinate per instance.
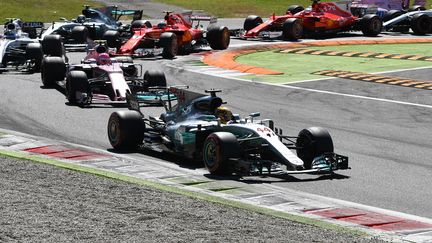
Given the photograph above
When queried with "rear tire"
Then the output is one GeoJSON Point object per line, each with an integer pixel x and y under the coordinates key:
{"type": "Point", "coordinates": [218, 37]}
{"type": "Point", "coordinates": [52, 69]}
{"type": "Point", "coordinates": [112, 38]}
{"type": "Point", "coordinates": [218, 148]}
{"type": "Point", "coordinates": [251, 22]}
{"type": "Point", "coordinates": [392, 14]}
{"type": "Point", "coordinates": [126, 129]}
{"type": "Point", "coordinates": [292, 29]}
{"type": "Point", "coordinates": [76, 81]}
{"type": "Point", "coordinates": [52, 45]}
{"type": "Point", "coordinates": [155, 79]}
{"type": "Point", "coordinates": [129, 70]}
{"type": "Point", "coordinates": [140, 24]}
{"type": "Point", "coordinates": [416, 8]}
{"type": "Point", "coordinates": [314, 141]}
{"type": "Point", "coordinates": [168, 41]}
{"type": "Point", "coordinates": [371, 25]}
{"type": "Point", "coordinates": [293, 9]}
{"type": "Point", "coordinates": [421, 24]}
{"type": "Point", "coordinates": [80, 34]}
{"type": "Point", "coordinates": [34, 53]}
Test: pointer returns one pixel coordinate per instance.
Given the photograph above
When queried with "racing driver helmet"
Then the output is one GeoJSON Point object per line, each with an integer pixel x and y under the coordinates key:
{"type": "Point", "coordinates": [103, 59]}
{"type": "Point", "coordinates": [81, 19]}
{"type": "Point", "coordinates": [224, 114]}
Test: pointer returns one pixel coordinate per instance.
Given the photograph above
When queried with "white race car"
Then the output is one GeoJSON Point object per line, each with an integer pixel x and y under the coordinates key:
{"type": "Point", "coordinates": [199, 128]}
{"type": "Point", "coordinates": [17, 50]}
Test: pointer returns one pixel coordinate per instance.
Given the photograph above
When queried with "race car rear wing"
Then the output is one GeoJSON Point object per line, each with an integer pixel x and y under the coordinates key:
{"type": "Point", "coordinates": [31, 28]}
{"type": "Point", "coordinates": [117, 14]}
{"type": "Point", "coordinates": [199, 15]}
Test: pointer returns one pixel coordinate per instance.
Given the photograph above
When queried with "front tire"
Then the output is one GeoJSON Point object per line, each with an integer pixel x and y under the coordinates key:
{"type": "Point", "coordinates": [126, 129]}
{"type": "Point", "coordinates": [155, 79]}
{"type": "Point", "coordinates": [168, 41]}
{"type": "Point", "coordinates": [313, 142]}
{"type": "Point", "coordinates": [76, 81]}
{"type": "Point", "coordinates": [34, 53]}
{"type": "Point", "coordinates": [218, 148]}
{"type": "Point", "coordinates": [251, 22]}
{"type": "Point", "coordinates": [292, 29]}
{"type": "Point", "coordinates": [218, 37]}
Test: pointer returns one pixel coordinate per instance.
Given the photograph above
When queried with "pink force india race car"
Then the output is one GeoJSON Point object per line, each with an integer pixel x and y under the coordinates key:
{"type": "Point", "coordinates": [99, 78]}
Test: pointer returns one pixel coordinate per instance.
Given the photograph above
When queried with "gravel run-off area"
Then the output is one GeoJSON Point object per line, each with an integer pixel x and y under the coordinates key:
{"type": "Point", "coordinates": [40, 202]}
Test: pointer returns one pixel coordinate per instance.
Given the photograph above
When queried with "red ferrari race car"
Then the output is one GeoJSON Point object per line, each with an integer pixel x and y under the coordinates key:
{"type": "Point", "coordinates": [101, 79]}
{"type": "Point", "coordinates": [177, 33]}
{"type": "Point", "coordinates": [315, 21]}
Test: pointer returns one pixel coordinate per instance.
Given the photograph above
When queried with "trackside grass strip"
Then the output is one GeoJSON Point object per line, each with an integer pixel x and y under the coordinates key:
{"type": "Point", "coordinates": [243, 8]}
{"type": "Point", "coordinates": [42, 10]}
{"type": "Point", "coordinates": [297, 67]}
{"type": "Point", "coordinates": [195, 195]}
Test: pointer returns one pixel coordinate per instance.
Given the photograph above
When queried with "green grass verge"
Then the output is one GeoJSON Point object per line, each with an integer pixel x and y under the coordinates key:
{"type": "Point", "coordinates": [240, 9]}
{"type": "Point", "coordinates": [297, 67]}
{"type": "Point", "coordinates": [42, 10]}
{"type": "Point", "coordinates": [424, 49]}
{"type": "Point", "coordinates": [195, 195]}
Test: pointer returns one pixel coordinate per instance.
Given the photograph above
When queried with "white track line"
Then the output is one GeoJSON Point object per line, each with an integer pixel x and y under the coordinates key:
{"type": "Point", "coordinates": [321, 91]}
{"type": "Point", "coordinates": [359, 96]}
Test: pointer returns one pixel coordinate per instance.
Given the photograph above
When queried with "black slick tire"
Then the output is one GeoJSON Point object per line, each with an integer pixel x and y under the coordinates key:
{"type": "Point", "coordinates": [80, 34]}
{"type": "Point", "coordinates": [112, 38]}
{"type": "Point", "coordinates": [34, 53]}
{"type": "Point", "coordinates": [421, 24]}
{"type": "Point", "coordinates": [155, 78]}
{"type": "Point", "coordinates": [313, 142]}
{"type": "Point", "coordinates": [392, 14]}
{"type": "Point", "coordinates": [140, 24]}
{"type": "Point", "coordinates": [76, 81]}
{"type": "Point", "coordinates": [218, 37]}
{"type": "Point", "coordinates": [218, 148]}
{"type": "Point", "coordinates": [52, 69]}
{"type": "Point", "coordinates": [292, 29]}
{"type": "Point", "coordinates": [251, 22]}
{"type": "Point", "coordinates": [126, 130]}
{"type": "Point", "coordinates": [371, 25]}
{"type": "Point", "coordinates": [52, 45]}
{"type": "Point", "coordinates": [169, 45]}
{"type": "Point", "coordinates": [293, 9]}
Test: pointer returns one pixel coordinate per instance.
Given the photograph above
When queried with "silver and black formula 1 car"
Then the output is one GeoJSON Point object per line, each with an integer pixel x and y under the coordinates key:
{"type": "Point", "coordinates": [196, 127]}
{"type": "Point", "coordinates": [91, 25]}
{"type": "Point", "coordinates": [419, 21]}
{"type": "Point", "coordinates": [17, 50]}
{"type": "Point", "coordinates": [99, 78]}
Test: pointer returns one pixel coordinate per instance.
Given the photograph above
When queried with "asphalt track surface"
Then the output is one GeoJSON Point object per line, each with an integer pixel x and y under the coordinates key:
{"type": "Point", "coordinates": [385, 130]}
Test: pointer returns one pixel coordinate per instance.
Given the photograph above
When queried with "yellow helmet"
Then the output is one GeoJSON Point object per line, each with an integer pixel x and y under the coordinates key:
{"type": "Point", "coordinates": [224, 114]}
